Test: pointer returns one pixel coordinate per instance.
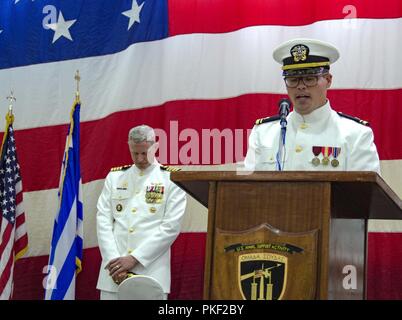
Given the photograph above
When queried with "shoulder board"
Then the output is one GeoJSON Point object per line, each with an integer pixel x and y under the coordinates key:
{"type": "Point", "coordinates": [122, 168]}
{"type": "Point", "coordinates": [268, 119]}
{"type": "Point", "coordinates": [364, 123]}
{"type": "Point", "coordinates": [170, 169]}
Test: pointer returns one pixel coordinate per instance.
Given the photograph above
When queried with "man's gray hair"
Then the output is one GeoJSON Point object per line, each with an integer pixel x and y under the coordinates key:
{"type": "Point", "coordinates": [142, 133]}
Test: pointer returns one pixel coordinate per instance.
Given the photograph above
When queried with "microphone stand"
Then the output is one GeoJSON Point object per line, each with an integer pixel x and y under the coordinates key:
{"type": "Point", "coordinates": [281, 154]}
{"type": "Point", "coordinates": [284, 108]}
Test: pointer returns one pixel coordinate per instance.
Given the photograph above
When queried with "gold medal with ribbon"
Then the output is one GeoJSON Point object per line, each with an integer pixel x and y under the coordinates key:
{"type": "Point", "coordinates": [154, 193]}
{"type": "Point", "coordinates": [326, 151]}
{"type": "Point", "coordinates": [316, 152]}
{"type": "Point", "coordinates": [336, 153]}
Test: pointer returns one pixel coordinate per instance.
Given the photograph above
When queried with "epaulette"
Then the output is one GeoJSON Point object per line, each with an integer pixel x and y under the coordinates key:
{"type": "Point", "coordinates": [268, 119]}
{"type": "Point", "coordinates": [170, 169]}
{"type": "Point", "coordinates": [122, 168]}
{"type": "Point", "coordinates": [364, 123]}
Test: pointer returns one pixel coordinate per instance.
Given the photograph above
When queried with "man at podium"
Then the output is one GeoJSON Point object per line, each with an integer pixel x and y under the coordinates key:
{"type": "Point", "coordinates": [313, 136]}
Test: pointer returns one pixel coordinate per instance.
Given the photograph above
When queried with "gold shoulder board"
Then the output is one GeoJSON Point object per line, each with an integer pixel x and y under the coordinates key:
{"type": "Point", "coordinates": [268, 119]}
{"type": "Point", "coordinates": [121, 168]}
{"type": "Point", "coordinates": [170, 169]}
{"type": "Point", "coordinates": [363, 122]}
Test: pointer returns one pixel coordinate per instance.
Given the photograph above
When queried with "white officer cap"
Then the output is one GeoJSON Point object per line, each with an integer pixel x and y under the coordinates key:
{"type": "Point", "coordinates": [305, 56]}
{"type": "Point", "coordinates": [140, 287]}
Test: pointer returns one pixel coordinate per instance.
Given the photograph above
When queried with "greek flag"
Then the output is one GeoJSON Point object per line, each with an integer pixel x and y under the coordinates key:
{"type": "Point", "coordinates": [66, 247]}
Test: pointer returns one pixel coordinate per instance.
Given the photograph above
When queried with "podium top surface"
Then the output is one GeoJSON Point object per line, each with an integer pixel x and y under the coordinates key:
{"type": "Point", "coordinates": [360, 194]}
{"type": "Point", "coordinates": [318, 176]}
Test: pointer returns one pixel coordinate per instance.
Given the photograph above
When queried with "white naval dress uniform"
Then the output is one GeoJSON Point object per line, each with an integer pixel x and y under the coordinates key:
{"type": "Point", "coordinates": [131, 221]}
{"type": "Point", "coordinates": [321, 128]}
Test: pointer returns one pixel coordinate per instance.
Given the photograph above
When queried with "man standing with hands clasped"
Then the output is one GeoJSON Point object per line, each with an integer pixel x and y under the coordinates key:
{"type": "Point", "coordinates": [139, 216]}
{"type": "Point", "coordinates": [313, 136]}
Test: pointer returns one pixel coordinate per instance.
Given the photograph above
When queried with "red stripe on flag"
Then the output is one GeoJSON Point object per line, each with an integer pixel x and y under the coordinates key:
{"type": "Point", "coordinates": [5, 237]}
{"type": "Point", "coordinates": [384, 272]}
{"type": "Point", "coordinates": [188, 256]}
{"type": "Point", "coordinates": [18, 198]}
{"type": "Point", "coordinates": [6, 265]}
{"type": "Point", "coordinates": [5, 276]}
{"type": "Point", "coordinates": [6, 272]}
{"type": "Point", "coordinates": [21, 244]}
{"type": "Point", "coordinates": [46, 144]}
{"type": "Point", "coordinates": [20, 219]}
{"type": "Point", "coordinates": [215, 16]}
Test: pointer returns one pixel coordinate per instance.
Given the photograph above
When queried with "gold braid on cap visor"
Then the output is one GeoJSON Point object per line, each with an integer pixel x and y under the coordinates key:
{"type": "Point", "coordinates": [305, 65]}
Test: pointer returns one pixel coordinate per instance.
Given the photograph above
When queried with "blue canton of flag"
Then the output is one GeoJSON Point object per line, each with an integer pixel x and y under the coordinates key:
{"type": "Point", "coordinates": [13, 233]}
{"type": "Point", "coordinates": [66, 246]}
{"type": "Point", "coordinates": [64, 30]}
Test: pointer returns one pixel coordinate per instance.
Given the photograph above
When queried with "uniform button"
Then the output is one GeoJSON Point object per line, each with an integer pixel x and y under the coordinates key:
{"type": "Point", "coordinates": [134, 210]}
{"type": "Point", "coordinates": [299, 149]}
{"type": "Point", "coordinates": [141, 173]}
{"type": "Point", "coordinates": [304, 126]}
{"type": "Point", "coordinates": [130, 251]}
{"type": "Point", "coordinates": [131, 230]}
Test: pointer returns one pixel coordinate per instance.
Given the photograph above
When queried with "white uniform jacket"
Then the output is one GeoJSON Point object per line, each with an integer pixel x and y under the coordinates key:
{"type": "Point", "coordinates": [323, 131]}
{"type": "Point", "coordinates": [139, 213]}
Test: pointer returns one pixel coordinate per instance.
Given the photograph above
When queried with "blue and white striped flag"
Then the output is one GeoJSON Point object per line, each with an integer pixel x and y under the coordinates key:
{"type": "Point", "coordinates": [67, 240]}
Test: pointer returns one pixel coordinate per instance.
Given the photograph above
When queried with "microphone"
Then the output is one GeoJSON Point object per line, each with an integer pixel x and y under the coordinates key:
{"type": "Point", "coordinates": [284, 108]}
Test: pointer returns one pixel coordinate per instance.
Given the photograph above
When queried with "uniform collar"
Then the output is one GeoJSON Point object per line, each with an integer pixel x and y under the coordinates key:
{"type": "Point", "coordinates": [147, 170]}
{"type": "Point", "coordinates": [318, 115]}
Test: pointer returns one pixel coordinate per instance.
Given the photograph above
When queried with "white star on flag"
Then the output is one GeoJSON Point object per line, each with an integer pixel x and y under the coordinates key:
{"type": "Point", "coordinates": [61, 28]}
{"type": "Point", "coordinates": [133, 13]}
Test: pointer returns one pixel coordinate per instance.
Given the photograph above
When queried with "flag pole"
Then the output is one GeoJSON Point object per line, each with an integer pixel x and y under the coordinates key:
{"type": "Point", "coordinates": [77, 78]}
{"type": "Point", "coordinates": [10, 116]}
{"type": "Point", "coordinates": [77, 92]}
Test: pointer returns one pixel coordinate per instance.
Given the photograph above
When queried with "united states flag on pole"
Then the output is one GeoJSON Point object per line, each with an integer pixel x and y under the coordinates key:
{"type": "Point", "coordinates": [66, 247]}
{"type": "Point", "coordinates": [13, 234]}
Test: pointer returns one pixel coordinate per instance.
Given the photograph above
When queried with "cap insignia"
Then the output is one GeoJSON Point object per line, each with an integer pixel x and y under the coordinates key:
{"type": "Point", "coordinates": [299, 52]}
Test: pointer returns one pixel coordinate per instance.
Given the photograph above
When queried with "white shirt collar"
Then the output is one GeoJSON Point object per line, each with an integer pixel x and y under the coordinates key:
{"type": "Point", "coordinates": [318, 115]}
{"type": "Point", "coordinates": [147, 170]}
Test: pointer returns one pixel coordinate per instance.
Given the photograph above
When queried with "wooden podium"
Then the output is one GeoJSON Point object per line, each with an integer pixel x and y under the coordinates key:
{"type": "Point", "coordinates": [288, 235]}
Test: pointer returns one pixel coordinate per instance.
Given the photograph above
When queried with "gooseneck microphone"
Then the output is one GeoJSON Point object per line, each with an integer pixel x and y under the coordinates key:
{"type": "Point", "coordinates": [284, 108]}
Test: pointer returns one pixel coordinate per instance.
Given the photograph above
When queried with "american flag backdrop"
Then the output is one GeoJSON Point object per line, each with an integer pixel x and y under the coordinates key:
{"type": "Point", "coordinates": [13, 233]}
{"type": "Point", "coordinates": [189, 68]}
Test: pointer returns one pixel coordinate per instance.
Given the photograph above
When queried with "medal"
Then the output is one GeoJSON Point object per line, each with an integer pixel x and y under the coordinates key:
{"type": "Point", "coordinates": [316, 152]}
{"type": "Point", "coordinates": [154, 193]}
{"type": "Point", "coordinates": [336, 153]}
{"type": "Point", "coordinates": [326, 151]}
